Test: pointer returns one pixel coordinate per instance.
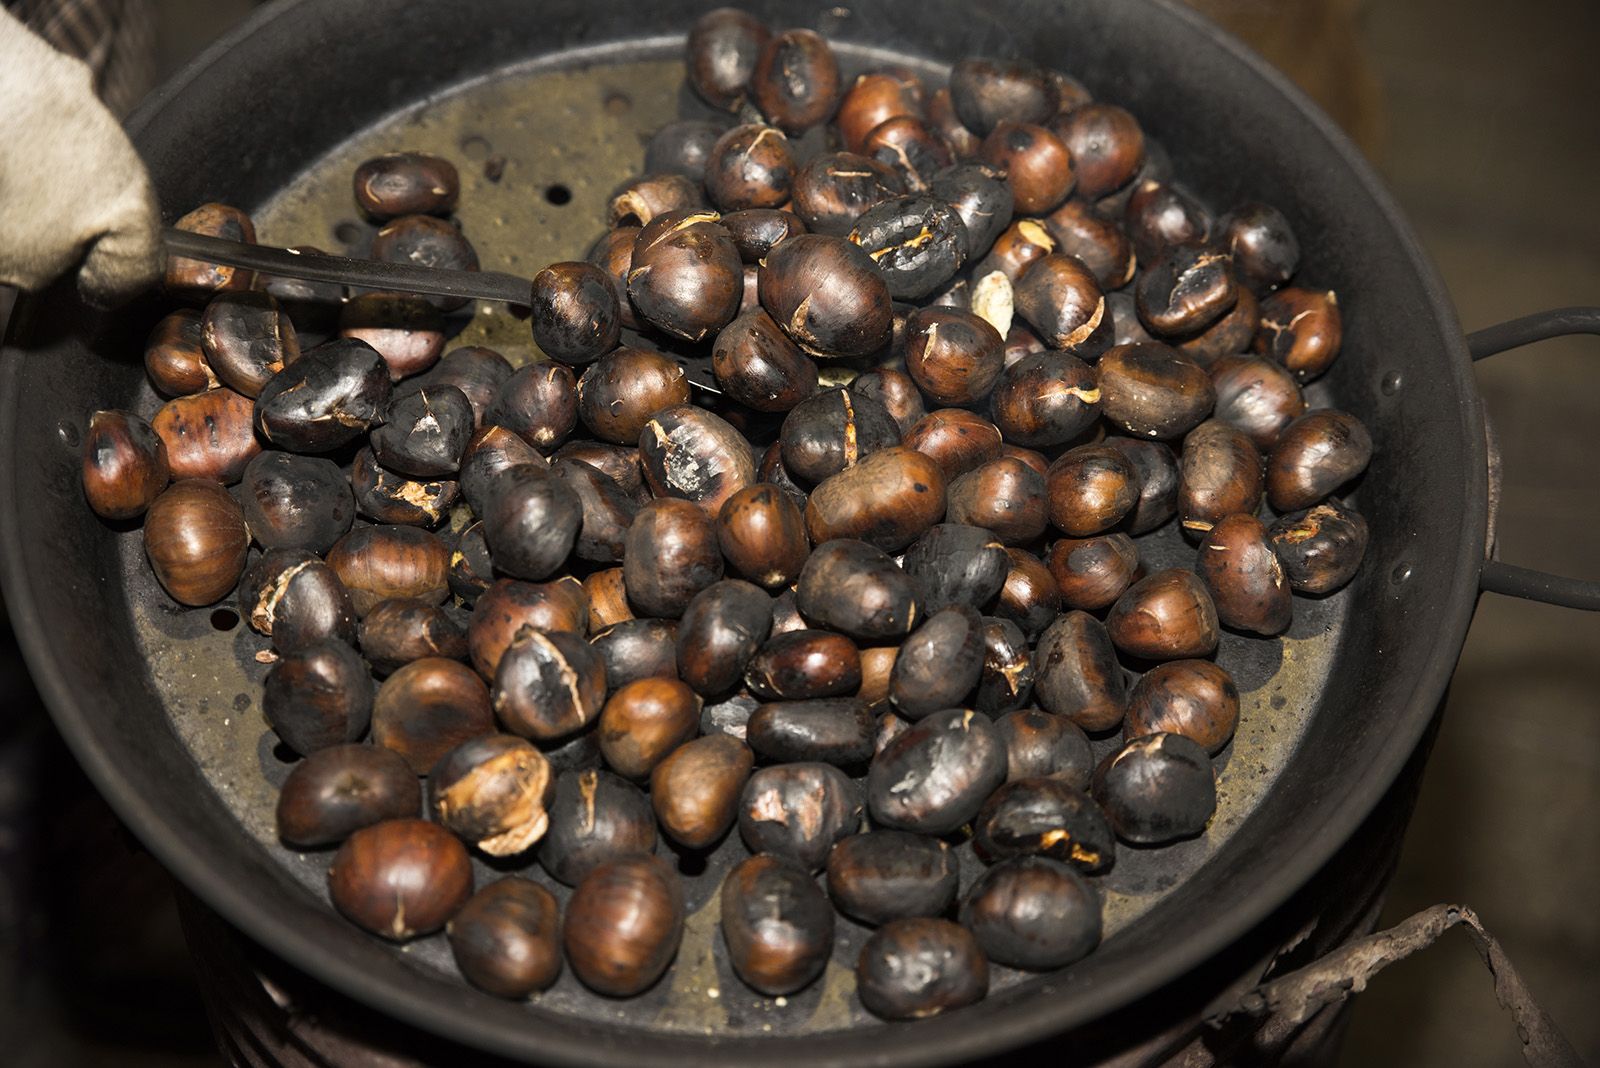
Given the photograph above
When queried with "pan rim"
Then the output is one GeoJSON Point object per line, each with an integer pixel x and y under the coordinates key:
{"type": "Point", "coordinates": [930, 1042]}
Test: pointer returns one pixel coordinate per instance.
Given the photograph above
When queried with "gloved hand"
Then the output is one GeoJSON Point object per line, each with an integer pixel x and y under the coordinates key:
{"type": "Point", "coordinates": [71, 185]}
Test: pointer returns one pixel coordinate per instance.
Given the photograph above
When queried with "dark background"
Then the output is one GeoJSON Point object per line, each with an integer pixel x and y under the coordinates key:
{"type": "Point", "coordinates": [1481, 116]}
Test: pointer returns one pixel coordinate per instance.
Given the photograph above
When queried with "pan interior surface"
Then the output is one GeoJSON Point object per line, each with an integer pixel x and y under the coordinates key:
{"type": "Point", "coordinates": [163, 706]}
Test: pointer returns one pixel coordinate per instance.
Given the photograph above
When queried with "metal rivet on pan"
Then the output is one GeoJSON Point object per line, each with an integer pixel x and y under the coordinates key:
{"type": "Point", "coordinates": [1400, 574]}
{"type": "Point", "coordinates": [67, 431]}
{"type": "Point", "coordinates": [1392, 383]}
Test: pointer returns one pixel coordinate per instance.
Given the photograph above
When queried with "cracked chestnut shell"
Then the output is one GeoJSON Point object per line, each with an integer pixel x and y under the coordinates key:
{"type": "Point", "coordinates": [1036, 163]}
{"type": "Point", "coordinates": [798, 811]}
{"type": "Point", "coordinates": [1157, 789]}
{"type": "Point", "coordinates": [1045, 398]}
{"type": "Point", "coordinates": [296, 599]}
{"type": "Point", "coordinates": [1321, 547]}
{"type": "Point", "coordinates": [1194, 698]}
{"type": "Point", "coordinates": [1006, 681]}
{"type": "Point", "coordinates": [548, 686]}
{"type": "Point", "coordinates": [507, 938]}
{"type": "Point", "coordinates": [336, 791]}
{"type": "Point", "coordinates": [428, 707]}
{"type": "Point", "coordinates": [686, 279]}
{"type": "Point", "coordinates": [757, 365]}
{"type": "Point", "coordinates": [471, 567]}
{"type": "Point", "coordinates": [1033, 913]}
{"type": "Point", "coordinates": [953, 564]}
{"type": "Point", "coordinates": [332, 395]}
{"type": "Point", "coordinates": [1185, 289]}
{"type": "Point", "coordinates": [982, 197]}
{"type": "Point", "coordinates": [1302, 330]}
{"type": "Point", "coordinates": [595, 817]}
{"type": "Point", "coordinates": [207, 435]}
{"type": "Point", "coordinates": [777, 924]}
{"type": "Point", "coordinates": [911, 148]}
{"type": "Point", "coordinates": [424, 432]}
{"type": "Point", "coordinates": [1090, 489]}
{"type": "Point", "coordinates": [644, 199]}
{"type": "Point", "coordinates": [400, 878]}
{"type": "Point", "coordinates": [1093, 572]}
{"type": "Point", "coordinates": [671, 555]}
{"type": "Point", "coordinates": [1219, 474]}
{"type": "Point", "coordinates": [888, 498]}
{"type": "Point", "coordinates": [247, 339]}
{"type": "Point", "coordinates": [623, 925]}
{"type": "Point", "coordinates": [318, 696]}
{"type": "Point", "coordinates": [987, 91]}
{"type": "Point", "coordinates": [196, 541]}
{"type": "Point", "coordinates": [1166, 616]}
{"type": "Point", "coordinates": [829, 730]}
{"type": "Point", "coordinates": [831, 431]}
{"type": "Point", "coordinates": [491, 792]}
{"type": "Point", "coordinates": [1077, 673]}
{"type": "Point", "coordinates": [124, 465]}
{"type": "Point", "coordinates": [690, 453]}
{"type": "Point", "coordinates": [1029, 596]}
{"type": "Point", "coordinates": [915, 968]}
{"type": "Point", "coordinates": [889, 875]}
{"type": "Point", "coordinates": [1256, 395]}
{"type": "Point", "coordinates": [1316, 455]}
{"type": "Point", "coordinates": [695, 790]}
{"type": "Point", "coordinates": [386, 497]}
{"type": "Point", "coordinates": [175, 358]}
{"type": "Point", "coordinates": [575, 315]}
{"type": "Point", "coordinates": [722, 51]}
{"type": "Point", "coordinates": [750, 166]}
{"type": "Point", "coordinates": [763, 536]}
{"type": "Point", "coordinates": [619, 393]}
{"type": "Point", "coordinates": [917, 242]}
{"type": "Point", "coordinates": [395, 633]}
{"type": "Point", "coordinates": [1044, 817]}
{"type": "Point", "coordinates": [1004, 496]}
{"type": "Point", "coordinates": [827, 295]}
{"type": "Point", "coordinates": [406, 183]}
{"type": "Point", "coordinates": [935, 776]}
{"type": "Point", "coordinates": [1017, 247]}
{"type": "Point", "coordinates": [1042, 745]}
{"type": "Point", "coordinates": [1246, 580]}
{"type": "Point", "coordinates": [833, 189]}
{"type": "Point", "coordinates": [855, 588]}
{"type": "Point", "coordinates": [508, 605]}
{"type": "Point", "coordinates": [795, 81]}
{"type": "Point", "coordinates": [1152, 390]}
{"type": "Point", "coordinates": [953, 356]}
{"type": "Point", "coordinates": [1058, 296]}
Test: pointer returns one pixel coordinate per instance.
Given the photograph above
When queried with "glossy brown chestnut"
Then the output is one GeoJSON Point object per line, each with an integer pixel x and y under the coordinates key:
{"type": "Point", "coordinates": [1194, 698]}
{"type": "Point", "coordinates": [827, 295]}
{"type": "Point", "coordinates": [548, 686]}
{"type": "Point", "coordinates": [1167, 616]}
{"type": "Point", "coordinates": [802, 664]}
{"type": "Point", "coordinates": [297, 600]}
{"type": "Point", "coordinates": [1019, 246]}
{"type": "Point", "coordinates": [777, 924]}
{"type": "Point", "coordinates": [383, 562]}
{"type": "Point", "coordinates": [798, 811]}
{"type": "Point", "coordinates": [956, 439]}
{"type": "Point", "coordinates": [888, 498]}
{"type": "Point", "coordinates": [1102, 246]}
{"type": "Point", "coordinates": [608, 511]}
{"type": "Point", "coordinates": [427, 708]}
{"type": "Point", "coordinates": [1256, 395]}
{"type": "Point", "coordinates": [1159, 216]}
{"type": "Point", "coordinates": [1237, 563]}
{"type": "Point", "coordinates": [196, 541]}
{"type": "Point", "coordinates": [671, 555]}
{"type": "Point", "coordinates": [833, 189]}
{"type": "Point", "coordinates": [889, 875]}
{"type": "Point", "coordinates": [934, 777]}
{"type": "Point", "coordinates": [644, 199]}
{"type": "Point", "coordinates": [595, 817]}
{"type": "Point", "coordinates": [1230, 334]}
{"type": "Point", "coordinates": [619, 393]}
{"type": "Point", "coordinates": [1036, 162]}
{"type": "Point", "coordinates": [1029, 595]}
{"type": "Point", "coordinates": [406, 183]}
{"type": "Point", "coordinates": [329, 397]}
{"type": "Point", "coordinates": [829, 730]}
{"type": "Point", "coordinates": [723, 47]}
{"type": "Point", "coordinates": [913, 149]}
{"type": "Point", "coordinates": [623, 924]}
{"type": "Point", "coordinates": [1042, 745]}
{"type": "Point", "coordinates": [613, 253]}
{"type": "Point", "coordinates": [953, 356]}
{"type": "Point", "coordinates": [695, 455]}
{"type": "Point", "coordinates": [686, 278]}
{"type": "Point", "coordinates": [695, 790]}
{"type": "Point", "coordinates": [124, 465]}
{"type": "Point", "coordinates": [1004, 496]}
{"type": "Point", "coordinates": [1264, 249]}
{"type": "Point", "coordinates": [394, 633]}
{"type": "Point", "coordinates": [750, 166]}
{"type": "Point", "coordinates": [757, 365]}
{"type": "Point", "coordinates": [1219, 474]}
{"type": "Point", "coordinates": [175, 358]}
{"type": "Point", "coordinates": [757, 231]}
{"type": "Point", "coordinates": [1033, 913]}
{"type": "Point", "coordinates": [681, 147]}
{"type": "Point", "coordinates": [507, 938]}
{"type": "Point", "coordinates": [508, 606]}
{"type": "Point", "coordinates": [1185, 289]}
{"type": "Point", "coordinates": [247, 339]}
{"type": "Point", "coordinates": [318, 696]}
{"type": "Point", "coordinates": [1092, 573]}
{"type": "Point", "coordinates": [1152, 390]}
{"type": "Point", "coordinates": [1302, 330]}
{"type": "Point", "coordinates": [875, 98]}
{"type": "Point", "coordinates": [406, 330]}
{"type": "Point", "coordinates": [986, 92]}
{"type": "Point", "coordinates": [1058, 296]}
{"type": "Point", "coordinates": [1045, 398]}
{"type": "Point", "coordinates": [915, 968]}
{"type": "Point", "coordinates": [762, 535]}
{"type": "Point", "coordinates": [197, 279]}
{"type": "Point", "coordinates": [336, 791]}
{"type": "Point", "coordinates": [1316, 454]}
{"type": "Point", "coordinates": [400, 878]}
{"type": "Point", "coordinates": [207, 435]}
{"type": "Point", "coordinates": [645, 721]}
{"type": "Point", "coordinates": [1320, 548]}
{"type": "Point", "coordinates": [638, 649]}
{"type": "Point", "coordinates": [1090, 489]}
{"type": "Point", "coordinates": [491, 791]}
{"type": "Point", "coordinates": [795, 82]}
{"type": "Point", "coordinates": [574, 315]}
{"type": "Point", "coordinates": [1077, 673]}
{"type": "Point", "coordinates": [1157, 789]}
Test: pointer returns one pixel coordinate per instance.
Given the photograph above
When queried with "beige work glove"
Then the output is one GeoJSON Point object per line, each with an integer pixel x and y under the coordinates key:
{"type": "Point", "coordinates": [72, 188]}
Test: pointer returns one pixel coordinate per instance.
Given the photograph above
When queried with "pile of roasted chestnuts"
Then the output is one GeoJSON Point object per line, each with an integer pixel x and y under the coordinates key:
{"type": "Point", "coordinates": [861, 603]}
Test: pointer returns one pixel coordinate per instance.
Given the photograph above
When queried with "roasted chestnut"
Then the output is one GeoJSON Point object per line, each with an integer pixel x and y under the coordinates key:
{"type": "Point", "coordinates": [613, 253]}
{"type": "Point", "coordinates": [1090, 489]}
{"type": "Point", "coordinates": [1302, 330]}
{"type": "Point", "coordinates": [297, 600]}
{"type": "Point", "coordinates": [750, 166]}
{"type": "Point", "coordinates": [175, 358]}
{"type": "Point", "coordinates": [1219, 474]}
{"type": "Point", "coordinates": [1044, 817]}
{"type": "Point", "coordinates": [622, 464]}
{"type": "Point", "coordinates": [827, 295]}
{"type": "Point", "coordinates": [638, 649]}
{"type": "Point", "coordinates": [795, 81]}
{"type": "Point", "coordinates": [1157, 789]}
{"type": "Point", "coordinates": [196, 541]}
{"type": "Point", "coordinates": [507, 938]}
{"type": "Point", "coordinates": [471, 568]}
{"type": "Point", "coordinates": [1156, 470]}
{"type": "Point", "coordinates": [695, 790]}
{"type": "Point", "coordinates": [855, 588]}
{"type": "Point", "coordinates": [1152, 390]}
{"type": "Point", "coordinates": [875, 98]}
{"type": "Point", "coordinates": [1029, 596]}
{"type": "Point", "coordinates": [1077, 674]}
{"type": "Point", "coordinates": [686, 278]}
{"type": "Point", "coordinates": [619, 393]}
{"type": "Point", "coordinates": [1166, 616]}
{"type": "Point", "coordinates": [982, 197]}
{"type": "Point", "coordinates": [1102, 246]}
{"type": "Point", "coordinates": [1184, 290]}
{"type": "Point", "coordinates": [623, 924]}
{"type": "Point", "coordinates": [803, 664]}
{"type": "Point", "coordinates": [889, 875]}
{"type": "Point", "coordinates": [424, 432]}
{"type": "Point", "coordinates": [548, 685]}
{"type": "Point", "coordinates": [427, 708]}
{"type": "Point", "coordinates": [763, 536]}
{"type": "Point", "coordinates": [1159, 216]}
{"type": "Point", "coordinates": [319, 696]}
{"type": "Point", "coordinates": [1256, 395]}
{"type": "Point", "coordinates": [608, 599]}
{"type": "Point", "coordinates": [798, 811]}
{"type": "Point", "coordinates": [1194, 698]}
{"type": "Point", "coordinates": [386, 497]}
{"type": "Point", "coordinates": [1005, 496]}
{"type": "Point", "coordinates": [1321, 547]}
{"type": "Point", "coordinates": [330, 396]}
{"type": "Point", "coordinates": [917, 242]}
{"type": "Point", "coordinates": [1092, 573]}
{"type": "Point", "coordinates": [934, 777]}
{"type": "Point", "coordinates": [644, 721]}
{"type": "Point", "coordinates": [336, 791]}
{"type": "Point", "coordinates": [953, 356]}
{"type": "Point", "coordinates": [379, 563]}
{"type": "Point", "coordinates": [833, 189]}
{"type": "Point", "coordinates": [915, 968]}
{"type": "Point", "coordinates": [957, 440]}
{"type": "Point", "coordinates": [575, 314]}
{"type": "Point", "coordinates": [1033, 913]}
{"type": "Point", "coordinates": [124, 465]}
{"type": "Point", "coordinates": [1264, 249]}
{"type": "Point", "coordinates": [1227, 335]}
{"type": "Point", "coordinates": [607, 511]}
{"type": "Point", "coordinates": [400, 878]}
{"type": "Point", "coordinates": [986, 92]}
{"type": "Point", "coordinates": [757, 365]}
{"type": "Point", "coordinates": [198, 279]}
{"type": "Point", "coordinates": [1045, 398]}
{"type": "Point", "coordinates": [425, 241]}
{"type": "Point", "coordinates": [394, 633]}
{"type": "Point", "coordinates": [207, 435]}
{"type": "Point", "coordinates": [682, 147]}
{"type": "Point", "coordinates": [1042, 745]}
{"type": "Point", "coordinates": [1316, 454]}
{"type": "Point", "coordinates": [406, 330]}
{"type": "Point", "coordinates": [1246, 580]}
{"type": "Point", "coordinates": [942, 115]}
{"type": "Point", "coordinates": [912, 149]}
{"type": "Point", "coordinates": [690, 453]}
{"type": "Point", "coordinates": [508, 606]}
{"type": "Point", "coordinates": [595, 817]}
{"type": "Point", "coordinates": [247, 339]}
{"type": "Point", "coordinates": [1037, 165]}
{"type": "Point", "coordinates": [1019, 245]}
{"type": "Point", "coordinates": [491, 792]}
{"type": "Point", "coordinates": [777, 924]}
{"type": "Point", "coordinates": [836, 730]}
{"type": "Point", "coordinates": [954, 564]}
{"type": "Point", "coordinates": [1058, 296]}
{"type": "Point", "coordinates": [940, 664]}
{"type": "Point", "coordinates": [831, 431]}
{"type": "Point", "coordinates": [490, 453]}
{"type": "Point", "coordinates": [723, 47]}
{"type": "Point", "coordinates": [671, 555]}
{"type": "Point", "coordinates": [531, 523]}
{"type": "Point", "coordinates": [757, 231]}
{"type": "Point", "coordinates": [406, 183]}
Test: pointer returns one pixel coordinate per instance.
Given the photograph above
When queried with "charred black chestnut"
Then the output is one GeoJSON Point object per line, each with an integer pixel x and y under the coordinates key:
{"type": "Point", "coordinates": [425, 432]}
{"type": "Point", "coordinates": [723, 47]}
{"type": "Point", "coordinates": [757, 231]}
{"type": "Point", "coordinates": [531, 523]}
{"type": "Point", "coordinates": [911, 148]}
{"type": "Point", "coordinates": [671, 555]}
{"type": "Point", "coordinates": [297, 600]}
{"type": "Point", "coordinates": [855, 588]}
{"type": "Point", "coordinates": [795, 82]}
{"type": "Point", "coordinates": [607, 511]}
{"type": "Point", "coordinates": [575, 315]}
{"type": "Point", "coordinates": [915, 968]}
{"type": "Point", "coordinates": [328, 397]}
{"type": "Point", "coordinates": [798, 811]}
{"type": "Point", "coordinates": [837, 730]}
{"type": "Point", "coordinates": [548, 686]}
{"type": "Point", "coordinates": [426, 242]}
{"type": "Point", "coordinates": [318, 696]}
{"type": "Point", "coordinates": [1157, 789]}
{"type": "Point", "coordinates": [1156, 471]}
{"type": "Point", "coordinates": [1077, 673]}
{"type": "Point", "coordinates": [720, 631]}
{"type": "Point", "coordinates": [1185, 289]}
{"type": "Point", "coordinates": [638, 649]}
{"type": "Point", "coordinates": [247, 339]}
{"type": "Point", "coordinates": [336, 791]}
{"type": "Point", "coordinates": [917, 242]}
{"type": "Point", "coordinates": [934, 777]}
{"type": "Point", "coordinates": [594, 817]}
{"type": "Point", "coordinates": [197, 279]}
{"type": "Point", "coordinates": [490, 453]}
{"type": "Point", "coordinates": [939, 664]}
{"type": "Point", "coordinates": [953, 564]}
{"type": "Point", "coordinates": [831, 431]}
{"type": "Point", "coordinates": [833, 189]}
{"type": "Point", "coordinates": [682, 147]}
{"type": "Point", "coordinates": [889, 875]}
{"type": "Point", "coordinates": [386, 497]}
{"type": "Point", "coordinates": [1159, 216]}
{"type": "Point", "coordinates": [1264, 249]}
{"type": "Point", "coordinates": [1194, 698]}
{"type": "Point", "coordinates": [1044, 817]}
{"type": "Point", "coordinates": [508, 606]}
{"type": "Point", "coordinates": [1321, 547]}
{"type": "Point", "coordinates": [1034, 913]}
{"type": "Point", "coordinates": [1042, 745]}
{"type": "Point", "coordinates": [982, 197]}
{"type": "Point", "coordinates": [507, 938]}
{"type": "Point", "coordinates": [491, 792]}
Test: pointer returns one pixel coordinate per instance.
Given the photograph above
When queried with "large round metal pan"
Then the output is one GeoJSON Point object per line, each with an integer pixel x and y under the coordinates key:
{"type": "Point", "coordinates": [271, 119]}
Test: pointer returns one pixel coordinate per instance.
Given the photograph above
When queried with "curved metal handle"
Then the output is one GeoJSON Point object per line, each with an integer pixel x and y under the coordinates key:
{"type": "Point", "coordinates": [1509, 579]}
